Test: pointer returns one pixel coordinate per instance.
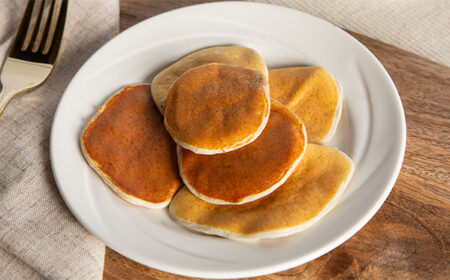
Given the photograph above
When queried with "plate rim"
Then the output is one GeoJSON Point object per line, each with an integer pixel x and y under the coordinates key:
{"type": "Point", "coordinates": [251, 272]}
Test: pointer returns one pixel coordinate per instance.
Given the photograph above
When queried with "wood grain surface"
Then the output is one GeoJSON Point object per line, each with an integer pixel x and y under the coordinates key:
{"type": "Point", "coordinates": [409, 237]}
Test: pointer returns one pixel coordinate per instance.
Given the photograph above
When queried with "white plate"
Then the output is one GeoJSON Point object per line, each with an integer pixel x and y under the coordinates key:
{"type": "Point", "coordinates": [372, 132]}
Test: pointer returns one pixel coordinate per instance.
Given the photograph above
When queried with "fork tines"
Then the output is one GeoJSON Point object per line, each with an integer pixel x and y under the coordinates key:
{"type": "Point", "coordinates": [40, 31]}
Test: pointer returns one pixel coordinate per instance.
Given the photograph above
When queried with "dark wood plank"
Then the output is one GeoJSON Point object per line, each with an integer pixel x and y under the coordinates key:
{"type": "Point", "coordinates": [409, 237]}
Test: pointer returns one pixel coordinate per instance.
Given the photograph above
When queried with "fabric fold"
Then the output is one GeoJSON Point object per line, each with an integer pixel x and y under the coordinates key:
{"type": "Point", "coordinates": [36, 227]}
{"type": "Point", "coordinates": [418, 26]}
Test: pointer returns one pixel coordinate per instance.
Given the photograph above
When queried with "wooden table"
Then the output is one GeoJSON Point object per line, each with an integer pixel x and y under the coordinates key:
{"type": "Point", "coordinates": [409, 237]}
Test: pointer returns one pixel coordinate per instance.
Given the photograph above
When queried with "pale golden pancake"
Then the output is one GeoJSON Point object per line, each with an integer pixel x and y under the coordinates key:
{"type": "Point", "coordinates": [216, 108]}
{"type": "Point", "coordinates": [251, 172]}
{"type": "Point", "coordinates": [308, 195]}
{"type": "Point", "coordinates": [231, 55]}
{"type": "Point", "coordinates": [127, 145]}
{"type": "Point", "coordinates": [313, 94]}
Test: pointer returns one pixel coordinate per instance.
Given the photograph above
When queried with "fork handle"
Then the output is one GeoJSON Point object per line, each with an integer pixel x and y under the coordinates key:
{"type": "Point", "coordinates": [6, 95]}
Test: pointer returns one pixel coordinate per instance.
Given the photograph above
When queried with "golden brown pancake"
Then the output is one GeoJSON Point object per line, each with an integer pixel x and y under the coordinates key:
{"type": "Point", "coordinates": [309, 194]}
{"type": "Point", "coordinates": [311, 93]}
{"type": "Point", "coordinates": [216, 108]}
{"type": "Point", "coordinates": [127, 145]}
{"type": "Point", "coordinates": [231, 55]}
{"type": "Point", "coordinates": [251, 172]}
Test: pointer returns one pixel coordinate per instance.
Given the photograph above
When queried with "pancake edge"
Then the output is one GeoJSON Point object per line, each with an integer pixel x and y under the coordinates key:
{"type": "Point", "coordinates": [337, 114]}
{"type": "Point", "coordinates": [249, 198]}
{"type": "Point", "coordinates": [129, 198]}
{"type": "Point", "coordinates": [270, 234]}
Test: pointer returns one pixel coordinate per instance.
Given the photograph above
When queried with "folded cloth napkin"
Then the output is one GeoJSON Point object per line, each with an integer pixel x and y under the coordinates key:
{"type": "Point", "coordinates": [419, 26]}
{"type": "Point", "coordinates": [39, 237]}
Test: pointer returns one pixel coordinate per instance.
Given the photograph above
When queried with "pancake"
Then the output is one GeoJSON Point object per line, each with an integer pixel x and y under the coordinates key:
{"type": "Point", "coordinates": [313, 94]}
{"type": "Point", "coordinates": [250, 172]}
{"type": "Point", "coordinates": [128, 147]}
{"type": "Point", "coordinates": [216, 108]}
{"type": "Point", "coordinates": [231, 55]}
{"type": "Point", "coordinates": [309, 194]}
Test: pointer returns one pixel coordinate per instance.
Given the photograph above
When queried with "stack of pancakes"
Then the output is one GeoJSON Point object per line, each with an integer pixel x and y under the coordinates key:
{"type": "Point", "coordinates": [234, 148]}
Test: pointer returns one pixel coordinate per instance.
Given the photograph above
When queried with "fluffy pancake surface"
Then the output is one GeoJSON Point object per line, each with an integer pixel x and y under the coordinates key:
{"type": "Point", "coordinates": [231, 55]}
{"type": "Point", "coordinates": [252, 171]}
{"type": "Point", "coordinates": [311, 93]}
{"type": "Point", "coordinates": [127, 145]}
{"type": "Point", "coordinates": [310, 193]}
{"type": "Point", "coordinates": [216, 108]}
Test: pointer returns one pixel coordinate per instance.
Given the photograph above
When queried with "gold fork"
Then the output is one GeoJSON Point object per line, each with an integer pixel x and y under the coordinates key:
{"type": "Point", "coordinates": [33, 53]}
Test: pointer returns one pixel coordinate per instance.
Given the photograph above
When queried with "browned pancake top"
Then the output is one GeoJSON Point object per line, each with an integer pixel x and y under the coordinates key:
{"type": "Point", "coordinates": [252, 169]}
{"type": "Point", "coordinates": [216, 107]}
{"type": "Point", "coordinates": [128, 143]}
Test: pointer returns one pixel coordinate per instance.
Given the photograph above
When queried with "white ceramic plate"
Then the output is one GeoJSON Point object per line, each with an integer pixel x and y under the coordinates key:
{"type": "Point", "coordinates": [372, 132]}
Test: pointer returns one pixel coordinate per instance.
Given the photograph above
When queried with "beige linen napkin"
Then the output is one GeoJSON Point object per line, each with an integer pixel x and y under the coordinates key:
{"type": "Point", "coordinates": [39, 237]}
{"type": "Point", "coordinates": [419, 26]}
